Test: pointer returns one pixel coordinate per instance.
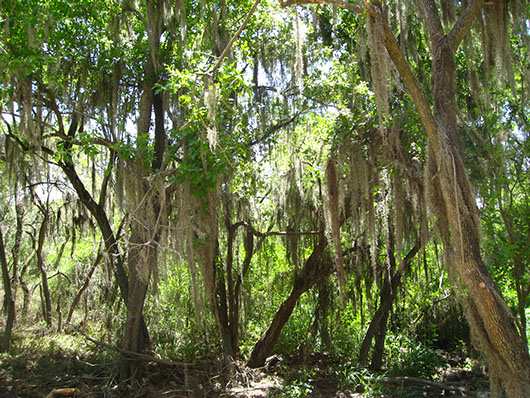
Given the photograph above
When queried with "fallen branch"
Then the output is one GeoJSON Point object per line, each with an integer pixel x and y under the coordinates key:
{"type": "Point", "coordinates": [417, 380]}
{"type": "Point", "coordinates": [132, 354]}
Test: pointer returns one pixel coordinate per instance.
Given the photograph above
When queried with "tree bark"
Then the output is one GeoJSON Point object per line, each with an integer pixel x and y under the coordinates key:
{"type": "Point", "coordinates": [145, 226]}
{"type": "Point", "coordinates": [452, 198]}
{"type": "Point", "coordinates": [140, 261]}
{"type": "Point", "coordinates": [312, 272]}
{"type": "Point", "coordinates": [9, 299]}
{"type": "Point", "coordinates": [228, 305]}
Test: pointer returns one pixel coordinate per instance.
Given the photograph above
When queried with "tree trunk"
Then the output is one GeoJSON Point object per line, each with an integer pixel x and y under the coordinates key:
{"type": "Point", "coordinates": [111, 244]}
{"type": "Point", "coordinates": [86, 283]}
{"type": "Point", "coordinates": [451, 196]}
{"type": "Point", "coordinates": [9, 299]}
{"type": "Point", "coordinates": [228, 307]}
{"type": "Point", "coordinates": [321, 315]}
{"type": "Point", "coordinates": [312, 272]}
{"type": "Point", "coordinates": [388, 295]}
{"type": "Point", "coordinates": [379, 344]}
{"type": "Point", "coordinates": [146, 225]}
{"type": "Point", "coordinates": [47, 304]}
{"type": "Point", "coordinates": [140, 262]}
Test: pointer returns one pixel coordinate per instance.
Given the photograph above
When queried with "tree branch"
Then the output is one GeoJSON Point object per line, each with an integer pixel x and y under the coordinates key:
{"type": "Point", "coordinates": [271, 233]}
{"type": "Point", "coordinates": [463, 25]}
{"type": "Point", "coordinates": [410, 81]}
{"type": "Point", "coordinates": [229, 45]}
{"type": "Point", "coordinates": [131, 354]}
{"type": "Point", "coordinates": [276, 127]}
{"type": "Point", "coordinates": [402, 65]}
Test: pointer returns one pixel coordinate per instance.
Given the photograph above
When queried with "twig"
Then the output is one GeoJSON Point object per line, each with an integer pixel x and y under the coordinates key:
{"type": "Point", "coordinates": [132, 354]}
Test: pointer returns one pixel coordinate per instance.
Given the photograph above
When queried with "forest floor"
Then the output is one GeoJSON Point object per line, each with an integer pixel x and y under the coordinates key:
{"type": "Point", "coordinates": [61, 365]}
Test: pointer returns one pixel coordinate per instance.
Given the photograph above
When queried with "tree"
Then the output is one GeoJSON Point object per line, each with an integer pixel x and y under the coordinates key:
{"type": "Point", "coordinates": [450, 195]}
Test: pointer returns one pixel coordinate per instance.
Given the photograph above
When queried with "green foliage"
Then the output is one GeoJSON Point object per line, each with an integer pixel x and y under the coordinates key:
{"type": "Point", "coordinates": [295, 389]}
{"type": "Point", "coordinates": [172, 315]}
{"type": "Point", "coordinates": [407, 357]}
{"type": "Point", "coordinates": [298, 385]}
{"type": "Point", "coordinates": [359, 379]}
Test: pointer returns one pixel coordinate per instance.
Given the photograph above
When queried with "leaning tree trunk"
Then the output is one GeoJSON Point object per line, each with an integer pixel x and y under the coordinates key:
{"type": "Point", "coordinates": [380, 318]}
{"type": "Point", "coordinates": [312, 272]}
{"type": "Point", "coordinates": [451, 196]}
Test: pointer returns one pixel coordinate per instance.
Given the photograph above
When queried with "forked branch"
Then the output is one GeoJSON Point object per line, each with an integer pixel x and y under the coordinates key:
{"type": "Point", "coordinates": [463, 25]}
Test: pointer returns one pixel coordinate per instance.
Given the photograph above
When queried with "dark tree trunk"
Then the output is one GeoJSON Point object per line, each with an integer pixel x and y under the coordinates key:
{"type": "Point", "coordinates": [111, 244]}
{"type": "Point", "coordinates": [228, 306]}
{"type": "Point", "coordinates": [320, 324]}
{"type": "Point", "coordinates": [9, 299]}
{"type": "Point", "coordinates": [387, 297]}
{"type": "Point", "coordinates": [313, 271]}
{"type": "Point", "coordinates": [98, 212]}
{"type": "Point", "coordinates": [379, 343]}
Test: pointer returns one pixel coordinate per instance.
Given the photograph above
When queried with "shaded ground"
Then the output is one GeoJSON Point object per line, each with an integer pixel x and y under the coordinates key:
{"type": "Point", "coordinates": [37, 371]}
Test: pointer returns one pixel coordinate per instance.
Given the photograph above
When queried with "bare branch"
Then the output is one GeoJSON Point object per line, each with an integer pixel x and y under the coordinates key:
{"type": "Point", "coordinates": [271, 233]}
{"type": "Point", "coordinates": [131, 354]}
